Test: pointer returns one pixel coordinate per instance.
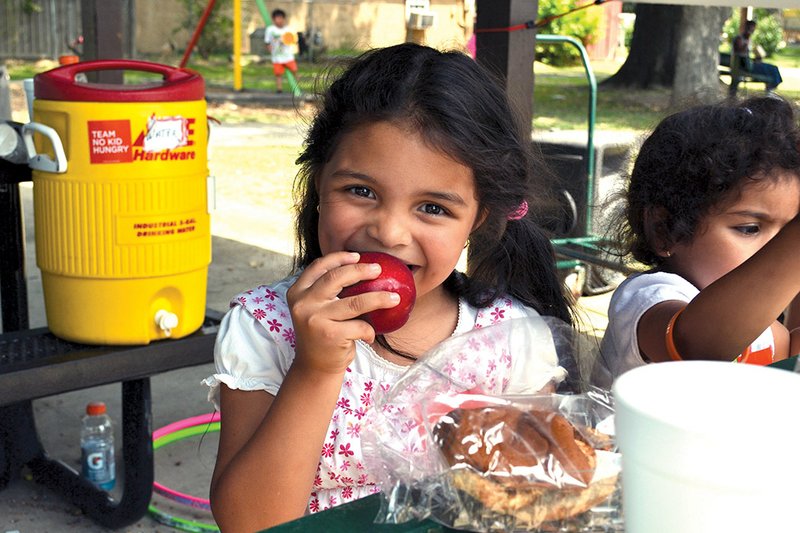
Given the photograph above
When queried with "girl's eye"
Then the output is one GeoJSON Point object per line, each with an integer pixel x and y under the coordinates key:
{"type": "Point", "coordinates": [749, 229]}
{"type": "Point", "coordinates": [360, 190]}
{"type": "Point", "coordinates": [433, 209]}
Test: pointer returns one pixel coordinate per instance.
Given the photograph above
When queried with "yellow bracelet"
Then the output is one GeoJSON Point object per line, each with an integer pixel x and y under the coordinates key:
{"type": "Point", "coordinates": [672, 351]}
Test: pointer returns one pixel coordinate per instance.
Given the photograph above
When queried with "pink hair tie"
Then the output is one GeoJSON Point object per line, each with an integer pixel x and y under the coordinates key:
{"type": "Point", "coordinates": [520, 212]}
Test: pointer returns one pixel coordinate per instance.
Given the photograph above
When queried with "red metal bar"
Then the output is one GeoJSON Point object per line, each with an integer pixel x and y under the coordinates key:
{"type": "Point", "coordinates": [197, 31]}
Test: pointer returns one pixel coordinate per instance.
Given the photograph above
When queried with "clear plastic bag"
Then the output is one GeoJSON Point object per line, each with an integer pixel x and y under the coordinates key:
{"type": "Point", "coordinates": [448, 442]}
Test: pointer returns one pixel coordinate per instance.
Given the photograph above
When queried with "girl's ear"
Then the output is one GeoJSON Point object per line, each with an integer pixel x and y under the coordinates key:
{"type": "Point", "coordinates": [480, 218]}
{"type": "Point", "coordinates": [656, 229]}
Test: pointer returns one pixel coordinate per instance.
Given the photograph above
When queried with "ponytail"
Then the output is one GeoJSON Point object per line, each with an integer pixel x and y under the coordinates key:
{"type": "Point", "coordinates": [520, 263]}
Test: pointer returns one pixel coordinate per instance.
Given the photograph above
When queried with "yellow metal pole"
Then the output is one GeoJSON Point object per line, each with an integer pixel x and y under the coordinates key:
{"type": "Point", "coordinates": [237, 45]}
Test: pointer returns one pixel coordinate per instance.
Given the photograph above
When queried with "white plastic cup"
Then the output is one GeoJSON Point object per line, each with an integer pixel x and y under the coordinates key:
{"type": "Point", "coordinates": [709, 447]}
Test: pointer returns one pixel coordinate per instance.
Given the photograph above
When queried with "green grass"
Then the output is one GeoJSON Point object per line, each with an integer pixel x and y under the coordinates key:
{"type": "Point", "coordinates": [560, 96]}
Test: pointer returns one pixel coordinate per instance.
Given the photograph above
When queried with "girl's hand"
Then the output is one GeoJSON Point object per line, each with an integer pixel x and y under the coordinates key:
{"type": "Point", "coordinates": [326, 327]}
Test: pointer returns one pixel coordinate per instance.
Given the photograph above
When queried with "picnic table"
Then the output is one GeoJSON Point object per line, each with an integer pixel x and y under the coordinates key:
{"type": "Point", "coordinates": [35, 364]}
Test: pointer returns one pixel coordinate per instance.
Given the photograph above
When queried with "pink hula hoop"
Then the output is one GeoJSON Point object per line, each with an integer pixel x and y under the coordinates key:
{"type": "Point", "coordinates": [174, 495]}
{"type": "Point", "coordinates": [186, 423]}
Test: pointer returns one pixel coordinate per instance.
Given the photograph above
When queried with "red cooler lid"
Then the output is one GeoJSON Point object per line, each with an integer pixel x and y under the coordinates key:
{"type": "Point", "coordinates": [177, 85]}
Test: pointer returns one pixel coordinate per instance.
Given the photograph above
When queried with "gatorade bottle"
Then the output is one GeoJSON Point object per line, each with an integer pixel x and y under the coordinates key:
{"type": "Point", "coordinates": [97, 446]}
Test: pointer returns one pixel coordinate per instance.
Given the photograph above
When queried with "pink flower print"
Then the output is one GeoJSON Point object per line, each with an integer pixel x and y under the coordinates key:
{"type": "Point", "coordinates": [242, 300]}
{"type": "Point", "coordinates": [461, 357]}
{"type": "Point", "coordinates": [274, 325]}
{"type": "Point", "coordinates": [374, 489]}
{"type": "Point", "coordinates": [333, 476]}
{"type": "Point", "coordinates": [347, 493]}
{"type": "Point", "coordinates": [328, 449]}
{"type": "Point", "coordinates": [317, 481]}
{"type": "Point", "coordinates": [314, 506]}
{"type": "Point", "coordinates": [407, 426]}
{"type": "Point", "coordinates": [366, 398]}
{"type": "Point", "coordinates": [498, 314]}
{"type": "Point", "coordinates": [344, 403]}
{"type": "Point", "coordinates": [334, 434]}
{"type": "Point", "coordinates": [259, 313]}
{"type": "Point", "coordinates": [288, 336]}
{"type": "Point", "coordinates": [269, 293]}
{"type": "Point", "coordinates": [334, 501]}
{"type": "Point", "coordinates": [386, 386]}
{"type": "Point", "coordinates": [348, 383]}
{"type": "Point", "coordinates": [362, 480]}
{"type": "Point", "coordinates": [507, 302]}
{"type": "Point", "coordinates": [345, 466]}
{"type": "Point", "coordinates": [344, 449]}
{"type": "Point", "coordinates": [258, 300]}
{"type": "Point", "coordinates": [270, 307]}
{"type": "Point", "coordinates": [359, 465]}
{"type": "Point", "coordinates": [368, 386]}
{"type": "Point", "coordinates": [347, 481]}
{"type": "Point", "coordinates": [449, 368]}
{"type": "Point", "coordinates": [505, 383]}
{"type": "Point", "coordinates": [360, 413]}
{"type": "Point", "coordinates": [474, 344]}
{"type": "Point", "coordinates": [353, 430]}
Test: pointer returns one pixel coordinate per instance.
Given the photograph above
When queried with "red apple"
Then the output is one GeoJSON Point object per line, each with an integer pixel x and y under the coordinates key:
{"type": "Point", "coordinates": [395, 277]}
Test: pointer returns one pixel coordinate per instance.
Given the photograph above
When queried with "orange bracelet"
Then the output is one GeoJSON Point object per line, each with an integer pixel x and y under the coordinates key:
{"type": "Point", "coordinates": [672, 351]}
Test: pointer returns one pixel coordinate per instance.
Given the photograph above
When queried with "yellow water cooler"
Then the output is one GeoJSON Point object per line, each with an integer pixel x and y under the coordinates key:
{"type": "Point", "coordinates": [121, 215]}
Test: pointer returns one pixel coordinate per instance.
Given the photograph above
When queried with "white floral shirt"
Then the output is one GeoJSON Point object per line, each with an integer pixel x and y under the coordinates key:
{"type": "Point", "coordinates": [255, 348]}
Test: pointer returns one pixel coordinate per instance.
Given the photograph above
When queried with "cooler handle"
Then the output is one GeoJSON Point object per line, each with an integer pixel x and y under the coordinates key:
{"type": "Point", "coordinates": [170, 74]}
{"type": "Point", "coordinates": [41, 161]}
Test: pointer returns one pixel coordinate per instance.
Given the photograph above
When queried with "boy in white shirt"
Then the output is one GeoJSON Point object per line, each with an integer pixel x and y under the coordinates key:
{"type": "Point", "coordinates": [280, 40]}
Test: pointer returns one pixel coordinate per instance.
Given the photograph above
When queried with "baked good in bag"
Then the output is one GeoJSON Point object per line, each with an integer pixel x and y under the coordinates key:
{"type": "Point", "coordinates": [530, 466]}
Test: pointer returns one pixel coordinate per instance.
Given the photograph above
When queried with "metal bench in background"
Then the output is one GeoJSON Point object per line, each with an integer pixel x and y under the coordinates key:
{"type": "Point", "coordinates": [733, 69]}
{"type": "Point", "coordinates": [36, 364]}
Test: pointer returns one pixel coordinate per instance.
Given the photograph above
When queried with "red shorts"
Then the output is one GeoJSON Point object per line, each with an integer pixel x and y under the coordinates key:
{"type": "Point", "coordinates": [280, 68]}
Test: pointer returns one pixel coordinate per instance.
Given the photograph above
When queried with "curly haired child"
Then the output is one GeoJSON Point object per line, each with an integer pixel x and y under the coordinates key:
{"type": "Point", "coordinates": [712, 208]}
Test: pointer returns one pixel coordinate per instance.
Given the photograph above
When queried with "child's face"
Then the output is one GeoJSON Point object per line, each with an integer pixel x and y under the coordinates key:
{"type": "Point", "coordinates": [729, 237]}
{"type": "Point", "coordinates": [279, 21]}
{"type": "Point", "coordinates": [386, 190]}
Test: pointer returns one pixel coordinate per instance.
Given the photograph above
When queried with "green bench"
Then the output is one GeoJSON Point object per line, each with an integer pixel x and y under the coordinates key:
{"type": "Point", "coordinates": [738, 72]}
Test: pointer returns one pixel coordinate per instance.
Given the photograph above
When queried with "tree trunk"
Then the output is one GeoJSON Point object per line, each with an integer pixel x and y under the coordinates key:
{"type": "Point", "coordinates": [654, 48]}
{"type": "Point", "coordinates": [674, 46]}
{"type": "Point", "coordinates": [696, 77]}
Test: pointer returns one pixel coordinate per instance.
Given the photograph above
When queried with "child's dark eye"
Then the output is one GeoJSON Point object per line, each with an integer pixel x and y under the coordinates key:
{"type": "Point", "coordinates": [750, 229]}
{"type": "Point", "coordinates": [433, 209]}
{"type": "Point", "coordinates": [359, 190]}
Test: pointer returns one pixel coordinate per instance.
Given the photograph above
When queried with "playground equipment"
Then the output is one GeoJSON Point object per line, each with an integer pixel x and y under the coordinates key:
{"type": "Point", "coordinates": [237, 39]}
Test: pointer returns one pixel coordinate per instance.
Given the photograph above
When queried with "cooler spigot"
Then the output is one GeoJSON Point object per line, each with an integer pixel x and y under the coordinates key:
{"type": "Point", "coordinates": [166, 321]}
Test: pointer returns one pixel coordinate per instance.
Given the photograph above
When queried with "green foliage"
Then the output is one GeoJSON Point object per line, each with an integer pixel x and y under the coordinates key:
{"type": "Point", "coordinates": [582, 25]}
{"type": "Point", "coordinates": [768, 34]}
{"type": "Point", "coordinates": [31, 7]}
{"type": "Point", "coordinates": [217, 35]}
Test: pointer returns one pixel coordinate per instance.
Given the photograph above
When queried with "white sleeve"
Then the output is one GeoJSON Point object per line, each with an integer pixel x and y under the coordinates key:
{"type": "Point", "coordinates": [246, 357]}
{"type": "Point", "coordinates": [631, 300]}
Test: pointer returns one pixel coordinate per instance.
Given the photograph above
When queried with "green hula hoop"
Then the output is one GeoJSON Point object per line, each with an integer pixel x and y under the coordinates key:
{"type": "Point", "coordinates": [173, 521]}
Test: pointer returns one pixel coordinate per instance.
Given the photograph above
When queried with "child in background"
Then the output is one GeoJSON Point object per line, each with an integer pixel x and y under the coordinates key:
{"type": "Point", "coordinates": [280, 40]}
{"type": "Point", "coordinates": [414, 153]}
{"type": "Point", "coordinates": [712, 207]}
